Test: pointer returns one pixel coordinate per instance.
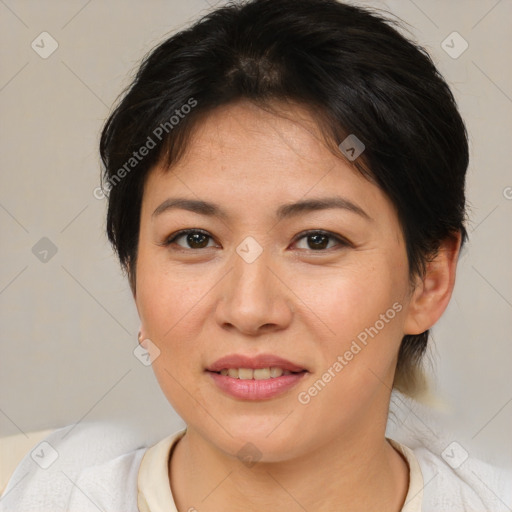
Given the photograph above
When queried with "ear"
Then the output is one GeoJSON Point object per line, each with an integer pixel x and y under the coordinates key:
{"type": "Point", "coordinates": [433, 291]}
{"type": "Point", "coordinates": [141, 335]}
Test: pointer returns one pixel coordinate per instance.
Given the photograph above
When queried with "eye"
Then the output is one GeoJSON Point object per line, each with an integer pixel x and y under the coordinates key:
{"type": "Point", "coordinates": [195, 238]}
{"type": "Point", "coordinates": [318, 240]}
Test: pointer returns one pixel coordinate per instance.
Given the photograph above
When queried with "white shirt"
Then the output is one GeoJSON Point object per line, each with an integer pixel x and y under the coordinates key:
{"type": "Point", "coordinates": [96, 473]}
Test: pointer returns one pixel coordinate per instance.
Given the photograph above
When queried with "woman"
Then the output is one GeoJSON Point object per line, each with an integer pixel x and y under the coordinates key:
{"type": "Point", "coordinates": [286, 195]}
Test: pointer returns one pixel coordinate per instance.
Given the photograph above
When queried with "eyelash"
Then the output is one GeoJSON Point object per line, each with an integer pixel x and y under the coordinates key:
{"type": "Point", "coordinates": [341, 241]}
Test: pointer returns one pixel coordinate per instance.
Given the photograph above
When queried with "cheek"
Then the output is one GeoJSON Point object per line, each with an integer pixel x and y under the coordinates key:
{"type": "Point", "coordinates": [169, 304]}
{"type": "Point", "coordinates": [364, 310]}
{"type": "Point", "coordinates": [174, 306]}
{"type": "Point", "coordinates": [167, 296]}
{"type": "Point", "coordinates": [353, 299]}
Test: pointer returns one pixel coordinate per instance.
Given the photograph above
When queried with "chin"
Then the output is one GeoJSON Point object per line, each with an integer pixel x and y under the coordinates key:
{"type": "Point", "coordinates": [265, 439]}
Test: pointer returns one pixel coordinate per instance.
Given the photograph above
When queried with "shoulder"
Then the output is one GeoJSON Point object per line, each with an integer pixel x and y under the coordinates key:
{"type": "Point", "coordinates": [50, 476]}
{"type": "Point", "coordinates": [110, 486]}
{"type": "Point", "coordinates": [456, 476]}
{"type": "Point", "coordinates": [117, 483]}
{"type": "Point", "coordinates": [454, 480]}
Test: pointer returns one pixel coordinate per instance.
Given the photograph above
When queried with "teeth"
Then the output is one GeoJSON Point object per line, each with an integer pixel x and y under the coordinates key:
{"type": "Point", "coordinates": [257, 374]}
{"type": "Point", "coordinates": [245, 373]}
{"type": "Point", "coordinates": [262, 373]}
{"type": "Point", "coordinates": [276, 372]}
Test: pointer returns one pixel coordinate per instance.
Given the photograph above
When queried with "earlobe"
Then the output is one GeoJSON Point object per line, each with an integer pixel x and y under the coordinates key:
{"type": "Point", "coordinates": [141, 335]}
{"type": "Point", "coordinates": [433, 292]}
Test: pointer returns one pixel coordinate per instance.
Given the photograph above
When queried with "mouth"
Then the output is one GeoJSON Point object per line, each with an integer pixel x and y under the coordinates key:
{"type": "Point", "coordinates": [270, 372]}
{"type": "Point", "coordinates": [255, 377]}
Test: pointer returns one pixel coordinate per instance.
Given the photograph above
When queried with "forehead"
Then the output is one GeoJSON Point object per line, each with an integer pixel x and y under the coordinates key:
{"type": "Point", "coordinates": [242, 153]}
{"type": "Point", "coordinates": [244, 133]}
{"type": "Point", "coordinates": [278, 127]}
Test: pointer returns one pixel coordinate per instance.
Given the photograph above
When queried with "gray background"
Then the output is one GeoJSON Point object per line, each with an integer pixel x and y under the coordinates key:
{"type": "Point", "coordinates": [68, 325]}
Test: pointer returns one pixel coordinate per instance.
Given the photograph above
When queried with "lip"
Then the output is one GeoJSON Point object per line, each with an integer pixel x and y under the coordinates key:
{"type": "Point", "coordinates": [253, 362]}
{"type": "Point", "coordinates": [252, 389]}
{"type": "Point", "coordinates": [256, 389]}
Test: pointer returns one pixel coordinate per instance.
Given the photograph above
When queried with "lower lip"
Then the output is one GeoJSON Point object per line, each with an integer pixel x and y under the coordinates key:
{"type": "Point", "coordinates": [252, 389]}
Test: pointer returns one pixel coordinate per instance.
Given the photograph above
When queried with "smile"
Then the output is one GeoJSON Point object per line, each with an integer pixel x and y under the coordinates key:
{"type": "Point", "coordinates": [255, 377]}
{"type": "Point", "coordinates": [256, 373]}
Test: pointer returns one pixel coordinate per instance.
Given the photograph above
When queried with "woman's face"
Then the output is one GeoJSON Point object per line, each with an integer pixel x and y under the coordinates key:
{"type": "Point", "coordinates": [260, 283]}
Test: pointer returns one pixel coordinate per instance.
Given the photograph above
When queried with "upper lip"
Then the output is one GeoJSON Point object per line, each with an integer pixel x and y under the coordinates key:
{"type": "Point", "coordinates": [259, 361]}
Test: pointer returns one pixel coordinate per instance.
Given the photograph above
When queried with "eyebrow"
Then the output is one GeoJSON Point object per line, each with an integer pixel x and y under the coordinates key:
{"type": "Point", "coordinates": [284, 211]}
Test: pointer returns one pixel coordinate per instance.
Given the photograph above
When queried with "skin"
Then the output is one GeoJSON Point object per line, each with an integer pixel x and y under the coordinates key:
{"type": "Point", "coordinates": [304, 304]}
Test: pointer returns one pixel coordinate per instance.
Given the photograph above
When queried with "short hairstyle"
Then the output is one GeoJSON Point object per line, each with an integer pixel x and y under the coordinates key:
{"type": "Point", "coordinates": [356, 74]}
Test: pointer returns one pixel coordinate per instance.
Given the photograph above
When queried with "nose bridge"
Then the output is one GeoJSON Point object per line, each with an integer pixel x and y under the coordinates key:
{"type": "Point", "coordinates": [252, 296]}
{"type": "Point", "coordinates": [251, 279]}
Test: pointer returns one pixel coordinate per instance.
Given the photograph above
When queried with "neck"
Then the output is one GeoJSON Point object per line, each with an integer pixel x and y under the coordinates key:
{"type": "Point", "coordinates": [356, 472]}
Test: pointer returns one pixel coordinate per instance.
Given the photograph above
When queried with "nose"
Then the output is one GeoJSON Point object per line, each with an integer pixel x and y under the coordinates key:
{"type": "Point", "coordinates": [254, 298]}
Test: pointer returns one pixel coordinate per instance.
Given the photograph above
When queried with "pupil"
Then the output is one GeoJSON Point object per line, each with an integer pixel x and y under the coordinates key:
{"type": "Point", "coordinates": [320, 241]}
{"type": "Point", "coordinates": [197, 240]}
